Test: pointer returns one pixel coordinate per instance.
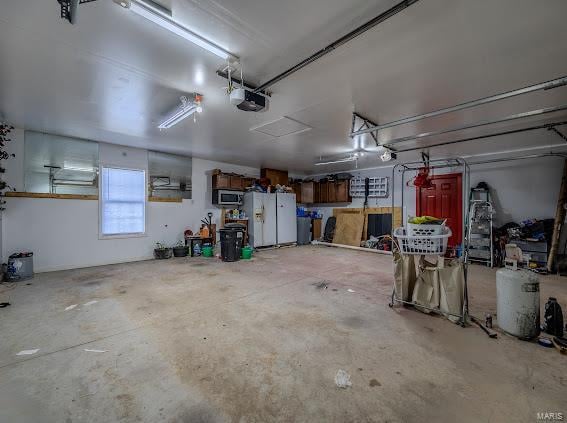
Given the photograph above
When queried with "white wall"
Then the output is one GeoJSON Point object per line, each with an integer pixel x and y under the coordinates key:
{"type": "Point", "coordinates": [520, 189]}
{"type": "Point", "coordinates": [63, 234]}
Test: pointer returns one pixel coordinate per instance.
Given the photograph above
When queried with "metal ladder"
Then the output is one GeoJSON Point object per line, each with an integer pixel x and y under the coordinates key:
{"type": "Point", "coordinates": [479, 230]}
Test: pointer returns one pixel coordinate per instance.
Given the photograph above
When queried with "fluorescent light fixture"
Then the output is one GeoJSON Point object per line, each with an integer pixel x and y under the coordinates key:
{"type": "Point", "coordinates": [186, 109]}
{"type": "Point", "coordinates": [154, 15]}
{"type": "Point", "coordinates": [80, 169]}
{"type": "Point", "coordinates": [351, 158]}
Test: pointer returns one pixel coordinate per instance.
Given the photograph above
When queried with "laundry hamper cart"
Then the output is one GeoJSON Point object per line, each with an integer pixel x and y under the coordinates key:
{"type": "Point", "coordinates": [430, 240]}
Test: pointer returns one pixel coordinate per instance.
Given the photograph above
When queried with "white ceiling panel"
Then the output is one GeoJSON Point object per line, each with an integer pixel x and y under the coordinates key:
{"type": "Point", "coordinates": [113, 75]}
{"type": "Point", "coordinates": [281, 127]}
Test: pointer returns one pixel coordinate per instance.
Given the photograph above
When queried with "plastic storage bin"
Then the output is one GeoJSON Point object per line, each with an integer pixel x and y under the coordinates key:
{"type": "Point", "coordinates": [20, 267]}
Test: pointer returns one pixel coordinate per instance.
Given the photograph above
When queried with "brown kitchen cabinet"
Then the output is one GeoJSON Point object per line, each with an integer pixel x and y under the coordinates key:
{"type": "Point", "coordinates": [316, 192]}
{"type": "Point", "coordinates": [275, 176]}
{"type": "Point", "coordinates": [308, 192]}
{"type": "Point", "coordinates": [231, 181]}
{"type": "Point", "coordinates": [331, 192]}
{"type": "Point", "coordinates": [236, 182]}
{"type": "Point", "coordinates": [221, 181]}
{"type": "Point", "coordinates": [323, 192]}
{"type": "Point", "coordinates": [246, 182]}
{"type": "Point", "coordinates": [342, 194]}
{"type": "Point", "coordinates": [297, 190]}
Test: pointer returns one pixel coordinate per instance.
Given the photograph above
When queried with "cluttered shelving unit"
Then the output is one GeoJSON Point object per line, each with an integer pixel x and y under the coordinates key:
{"type": "Point", "coordinates": [481, 246]}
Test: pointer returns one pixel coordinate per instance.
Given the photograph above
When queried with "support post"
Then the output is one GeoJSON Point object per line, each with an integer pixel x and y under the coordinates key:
{"type": "Point", "coordinates": [559, 219]}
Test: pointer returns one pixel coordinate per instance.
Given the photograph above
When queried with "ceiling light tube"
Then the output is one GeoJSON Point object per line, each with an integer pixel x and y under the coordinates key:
{"type": "Point", "coordinates": [166, 22]}
{"type": "Point", "coordinates": [186, 109]}
{"type": "Point", "coordinates": [178, 116]}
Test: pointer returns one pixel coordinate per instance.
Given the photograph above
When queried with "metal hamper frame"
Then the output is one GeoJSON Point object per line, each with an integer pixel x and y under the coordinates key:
{"type": "Point", "coordinates": [438, 164]}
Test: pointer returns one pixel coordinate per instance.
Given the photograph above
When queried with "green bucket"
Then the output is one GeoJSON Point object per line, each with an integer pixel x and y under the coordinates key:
{"type": "Point", "coordinates": [207, 251]}
{"type": "Point", "coordinates": [246, 253]}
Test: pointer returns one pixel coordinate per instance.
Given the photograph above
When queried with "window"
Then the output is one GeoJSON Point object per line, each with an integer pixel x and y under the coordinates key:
{"type": "Point", "coordinates": [60, 165]}
{"type": "Point", "coordinates": [169, 175]}
{"type": "Point", "coordinates": [122, 202]}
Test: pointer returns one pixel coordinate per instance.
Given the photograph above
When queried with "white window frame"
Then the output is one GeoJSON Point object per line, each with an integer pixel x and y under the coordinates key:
{"type": "Point", "coordinates": [101, 235]}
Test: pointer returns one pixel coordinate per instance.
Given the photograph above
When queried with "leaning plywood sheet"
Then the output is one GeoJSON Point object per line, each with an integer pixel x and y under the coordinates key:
{"type": "Point", "coordinates": [348, 230]}
{"type": "Point", "coordinates": [346, 210]}
{"type": "Point", "coordinates": [396, 218]}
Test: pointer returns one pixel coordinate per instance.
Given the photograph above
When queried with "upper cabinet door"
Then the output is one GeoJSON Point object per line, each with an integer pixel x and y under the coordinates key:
{"type": "Point", "coordinates": [342, 194]}
{"type": "Point", "coordinates": [324, 192]}
{"type": "Point", "coordinates": [331, 192]}
{"type": "Point", "coordinates": [307, 192]}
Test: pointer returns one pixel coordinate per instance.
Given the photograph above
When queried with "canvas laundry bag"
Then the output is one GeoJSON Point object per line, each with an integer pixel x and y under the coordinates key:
{"type": "Point", "coordinates": [452, 289]}
{"type": "Point", "coordinates": [440, 288]}
{"type": "Point", "coordinates": [404, 276]}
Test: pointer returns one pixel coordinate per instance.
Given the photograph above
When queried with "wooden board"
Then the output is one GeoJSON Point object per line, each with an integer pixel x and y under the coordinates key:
{"type": "Point", "coordinates": [47, 195]}
{"type": "Point", "coordinates": [165, 200]}
{"type": "Point", "coordinates": [79, 196]}
{"type": "Point", "coordinates": [396, 218]}
{"type": "Point", "coordinates": [348, 230]}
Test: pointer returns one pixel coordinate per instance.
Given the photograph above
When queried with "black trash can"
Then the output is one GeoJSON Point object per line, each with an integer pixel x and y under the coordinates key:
{"type": "Point", "coordinates": [231, 243]}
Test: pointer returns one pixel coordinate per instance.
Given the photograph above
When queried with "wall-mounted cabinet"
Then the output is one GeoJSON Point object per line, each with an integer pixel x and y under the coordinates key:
{"type": "Point", "coordinates": [342, 192]}
{"type": "Point", "coordinates": [221, 181]}
{"type": "Point", "coordinates": [276, 177]}
{"type": "Point", "coordinates": [231, 181]}
{"type": "Point", "coordinates": [313, 192]}
{"type": "Point", "coordinates": [307, 192]}
{"type": "Point", "coordinates": [236, 182]}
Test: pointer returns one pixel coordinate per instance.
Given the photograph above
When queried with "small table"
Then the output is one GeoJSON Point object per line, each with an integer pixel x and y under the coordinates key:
{"type": "Point", "coordinates": [192, 240]}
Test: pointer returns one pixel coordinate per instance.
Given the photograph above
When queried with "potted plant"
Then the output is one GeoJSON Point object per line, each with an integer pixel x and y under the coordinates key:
{"type": "Point", "coordinates": [180, 249]}
{"type": "Point", "coordinates": [5, 130]}
{"type": "Point", "coordinates": [161, 251]}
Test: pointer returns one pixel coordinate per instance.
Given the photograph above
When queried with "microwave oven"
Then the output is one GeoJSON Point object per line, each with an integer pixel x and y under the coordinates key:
{"type": "Point", "coordinates": [224, 197]}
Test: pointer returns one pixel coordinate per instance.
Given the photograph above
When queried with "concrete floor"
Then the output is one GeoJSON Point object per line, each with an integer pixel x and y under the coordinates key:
{"type": "Point", "coordinates": [198, 340]}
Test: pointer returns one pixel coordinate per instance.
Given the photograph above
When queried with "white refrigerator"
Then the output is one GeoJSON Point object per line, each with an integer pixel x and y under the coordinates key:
{"type": "Point", "coordinates": [286, 215]}
{"type": "Point", "coordinates": [271, 218]}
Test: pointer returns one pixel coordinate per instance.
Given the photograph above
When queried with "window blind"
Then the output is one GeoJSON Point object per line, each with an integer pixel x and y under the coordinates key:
{"type": "Point", "coordinates": [123, 196]}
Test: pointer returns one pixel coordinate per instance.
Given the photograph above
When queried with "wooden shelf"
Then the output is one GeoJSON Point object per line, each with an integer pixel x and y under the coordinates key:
{"type": "Point", "coordinates": [16, 194]}
{"type": "Point", "coordinates": [47, 195]}
{"type": "Point", "coordinates": [165, 200]}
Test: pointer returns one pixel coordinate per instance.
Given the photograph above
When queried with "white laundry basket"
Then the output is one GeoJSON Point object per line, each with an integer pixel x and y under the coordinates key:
{"type": "Point", "coordinates": [425, 229]}
{"type": "Point", "coordinates": [423, 244]}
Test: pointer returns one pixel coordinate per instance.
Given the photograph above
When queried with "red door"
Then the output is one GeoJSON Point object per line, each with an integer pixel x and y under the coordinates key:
{"type": "Point", "coordinates": [444, 200]}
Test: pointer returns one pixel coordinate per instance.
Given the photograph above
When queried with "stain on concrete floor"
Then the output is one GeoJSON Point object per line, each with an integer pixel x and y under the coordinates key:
{"type": "Point", "coordinates": [198, 340]}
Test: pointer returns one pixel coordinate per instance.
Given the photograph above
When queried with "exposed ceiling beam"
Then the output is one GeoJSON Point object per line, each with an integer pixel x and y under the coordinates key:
{"type": "Point", "coordinates": [335, 44]}
{"type": "Point", "coordinates": [550, 126]}
{"type": "Point", "coordinates": [516, 116]}
{"type": "Point", "coordinates": [531, 88]}
{"type": "Point", "coordinates": [561, 134]}
{"type": "Point", "coordinates": [366, 123]}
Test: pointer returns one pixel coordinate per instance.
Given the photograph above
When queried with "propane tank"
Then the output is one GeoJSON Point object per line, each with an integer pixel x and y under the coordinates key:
{"type": "Point", "coordinates": [517, 302]}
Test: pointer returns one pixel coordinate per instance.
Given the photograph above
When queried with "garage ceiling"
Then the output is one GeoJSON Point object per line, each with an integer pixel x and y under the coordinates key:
{"type": "Point", "coordinates": [111, 76]}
